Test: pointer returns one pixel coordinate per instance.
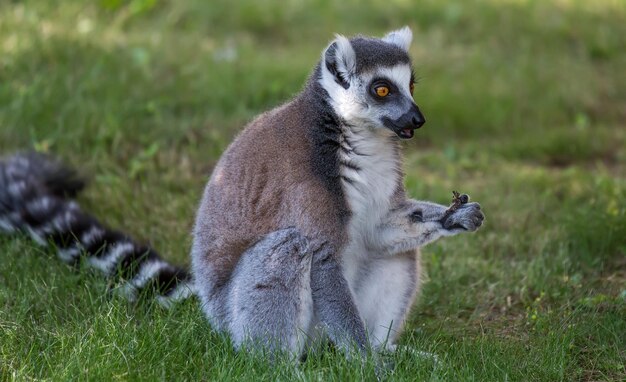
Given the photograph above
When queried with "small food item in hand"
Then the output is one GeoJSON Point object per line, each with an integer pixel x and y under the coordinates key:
{"type": "Point", "coordinates": [457, 201]}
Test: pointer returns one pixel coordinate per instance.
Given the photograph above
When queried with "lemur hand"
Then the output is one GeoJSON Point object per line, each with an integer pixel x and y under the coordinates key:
{"type": "Point", "coordinates": [467, 216]}
{"type": "Point", "coordinates": [414, 223]}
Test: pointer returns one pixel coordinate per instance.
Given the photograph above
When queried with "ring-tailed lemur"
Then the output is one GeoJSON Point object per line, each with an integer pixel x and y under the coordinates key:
{"type": "Point", "coordinates": [304, 230]}
{"type": "Point", "coordinates": [304, 226]}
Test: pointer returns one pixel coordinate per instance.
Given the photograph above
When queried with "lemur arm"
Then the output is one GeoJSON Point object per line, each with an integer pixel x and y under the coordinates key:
{"type": "Point", "coordinates": [333, 302]}
{"type": "Point", "coordinates": [416, 223]}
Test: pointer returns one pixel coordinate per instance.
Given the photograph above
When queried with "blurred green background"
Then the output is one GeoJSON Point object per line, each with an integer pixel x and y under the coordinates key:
{"type": "Point", "coordinates": [526, 109]}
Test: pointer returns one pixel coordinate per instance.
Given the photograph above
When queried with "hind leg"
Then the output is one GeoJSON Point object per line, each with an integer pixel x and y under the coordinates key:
{"type": "Point", "coordinates": [270, 300]}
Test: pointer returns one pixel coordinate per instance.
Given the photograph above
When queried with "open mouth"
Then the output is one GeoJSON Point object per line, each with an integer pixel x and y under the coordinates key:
{"type": "Point", "coordinates": [405, 133]}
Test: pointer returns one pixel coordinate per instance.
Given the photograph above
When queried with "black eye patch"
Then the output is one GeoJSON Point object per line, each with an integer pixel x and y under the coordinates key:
{"type": "Point", "coordinates": [378, 82]}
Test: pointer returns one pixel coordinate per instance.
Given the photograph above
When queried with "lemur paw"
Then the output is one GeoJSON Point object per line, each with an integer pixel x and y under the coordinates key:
{"type": "Point", "coordinates": [467, 217]}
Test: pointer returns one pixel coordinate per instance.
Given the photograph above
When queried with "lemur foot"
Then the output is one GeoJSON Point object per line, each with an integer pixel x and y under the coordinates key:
{"type": "Point", "coordinates": [467, 216]}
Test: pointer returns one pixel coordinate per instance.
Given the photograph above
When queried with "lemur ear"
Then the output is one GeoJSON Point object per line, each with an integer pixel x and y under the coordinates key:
{"type": "Point", "coordinates": [340, 60]}
{"type": "Point", "coordinates": [401, 37]}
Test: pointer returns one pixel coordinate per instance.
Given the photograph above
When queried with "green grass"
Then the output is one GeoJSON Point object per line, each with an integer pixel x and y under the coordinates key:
{"type": "Point", "coordinates": [525, 107]}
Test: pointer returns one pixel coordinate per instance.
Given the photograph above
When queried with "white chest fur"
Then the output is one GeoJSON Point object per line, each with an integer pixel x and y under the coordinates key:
{"type": "Point", "coordinates": [370, 175]}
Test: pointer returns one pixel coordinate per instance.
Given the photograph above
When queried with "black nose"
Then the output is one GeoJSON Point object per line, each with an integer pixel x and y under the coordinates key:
{"type": "Point", "coordinates": [412, 119]}
{"type": "Point", "coordinates": [405, 126]}
{"type": "Point", "coordinates": [417, 118]}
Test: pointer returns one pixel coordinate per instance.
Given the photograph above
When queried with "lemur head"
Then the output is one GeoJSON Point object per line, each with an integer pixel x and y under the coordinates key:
{"type": "Point", "coordinates": [370, 82]}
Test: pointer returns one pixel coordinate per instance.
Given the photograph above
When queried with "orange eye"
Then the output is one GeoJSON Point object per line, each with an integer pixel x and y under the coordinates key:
{"type": "Point", "coordinates": [412, 87]}
{"type": "Point", "coordinates": [382, 91]}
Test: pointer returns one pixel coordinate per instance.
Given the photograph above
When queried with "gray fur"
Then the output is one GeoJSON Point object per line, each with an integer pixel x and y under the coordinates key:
{"type": "Point", "coordinates": [417, 223]}
{"type": "Point", "coordinates": [269, 297]}
{"type": "Point", "coordinates": [374, 53]}
{"type": "Point", "coordinates": [333, 303]}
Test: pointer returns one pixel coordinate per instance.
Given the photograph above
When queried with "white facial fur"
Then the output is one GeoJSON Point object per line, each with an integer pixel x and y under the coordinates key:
{"type": "Point", "coordinates": [401, 37]}
{"type": "Point", "coordinates": [356, 105]}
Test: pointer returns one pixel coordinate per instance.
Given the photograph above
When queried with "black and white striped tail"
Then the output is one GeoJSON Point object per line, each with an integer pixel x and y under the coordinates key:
{"type": "Point", "coordinates": [36, 194]}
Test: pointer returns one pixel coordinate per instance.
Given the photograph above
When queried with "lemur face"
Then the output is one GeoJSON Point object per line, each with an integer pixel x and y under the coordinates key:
{"type": "Point", "coordinates": [370, 83]}
{"type": "Point", "coordinates": [388, 100]}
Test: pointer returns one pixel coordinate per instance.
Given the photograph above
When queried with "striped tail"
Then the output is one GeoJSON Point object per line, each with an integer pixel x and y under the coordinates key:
{"type": "Point", "coordinates": [36, 194]}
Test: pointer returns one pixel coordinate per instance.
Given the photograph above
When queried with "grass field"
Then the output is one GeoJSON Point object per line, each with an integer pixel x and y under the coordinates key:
{"type": "Point", "coordinates": [526, 110]}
